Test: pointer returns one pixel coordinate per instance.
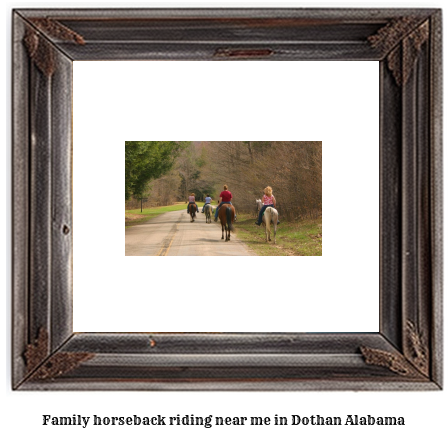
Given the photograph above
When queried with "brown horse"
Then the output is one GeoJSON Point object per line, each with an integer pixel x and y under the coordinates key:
{"type": "Point", "coordinates": [192, 208]}
{"type": "Point", "coordinates": [226, 215]}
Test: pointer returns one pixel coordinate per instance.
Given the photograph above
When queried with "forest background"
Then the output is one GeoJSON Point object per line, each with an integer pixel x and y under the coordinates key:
{"type": "Point", "coordinates": [163, 173]}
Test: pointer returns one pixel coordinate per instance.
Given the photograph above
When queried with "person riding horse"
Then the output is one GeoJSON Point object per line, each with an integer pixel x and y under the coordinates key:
{"type": "Point", "coordinates": [192, 201]}
{"type": "Point", "coordinates": [225, 197]}
{"type": "Point", "coordinates": [270, 217]}
{"type": "Point", "coordinates": [268, 201]}
{"type": "Point", "coordinates": [208, 200]}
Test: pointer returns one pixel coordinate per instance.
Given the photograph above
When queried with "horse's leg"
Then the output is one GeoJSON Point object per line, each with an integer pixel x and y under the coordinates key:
{"type": "Point", "coordinates": [275, 227]}
{"type": "Point", "coordinates": [270, 218]}
{"type": "Point", "coordinates": [222, 229]}
{"type": "Point", "coordinates": [228, 222]}
{"type": "Point", "coordinates": [266, 227]}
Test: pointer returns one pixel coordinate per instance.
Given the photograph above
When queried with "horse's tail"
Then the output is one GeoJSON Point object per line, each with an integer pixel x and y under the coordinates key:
{"type": "Point", "coordinates": [268, 217]}
{"type": "Point", "coordinates": [229, 218]}
{"type": "Point", "coordinates": [274, 216]}
{"type": "Point", "coordinates": [208, 211]}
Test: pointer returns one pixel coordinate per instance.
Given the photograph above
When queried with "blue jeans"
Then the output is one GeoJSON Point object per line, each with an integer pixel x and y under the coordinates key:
{"type": "Point", "coordinates": [208, 203]}
{"type": "Point", "coordinates": [260, 215]}
{"type": "Point", "coordinates": [217, 208]}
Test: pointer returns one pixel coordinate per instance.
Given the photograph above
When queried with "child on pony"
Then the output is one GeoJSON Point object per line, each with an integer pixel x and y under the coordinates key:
{"type": "Point", "coordinates": [268, 201]}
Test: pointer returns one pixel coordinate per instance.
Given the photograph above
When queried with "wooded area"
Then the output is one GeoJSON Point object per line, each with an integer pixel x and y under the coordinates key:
{"type": "Point", "coordinates": [145, 161]}
{"type": "Point", "coordinates": [292, 168]}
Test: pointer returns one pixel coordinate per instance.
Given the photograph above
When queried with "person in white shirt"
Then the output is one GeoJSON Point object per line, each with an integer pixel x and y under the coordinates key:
{"type": "Point", "coordinates": [208, 200]}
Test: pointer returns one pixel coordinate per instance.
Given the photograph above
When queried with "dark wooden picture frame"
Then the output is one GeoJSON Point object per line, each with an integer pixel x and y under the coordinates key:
{"type": "Point", "coordinates": [406, 353]}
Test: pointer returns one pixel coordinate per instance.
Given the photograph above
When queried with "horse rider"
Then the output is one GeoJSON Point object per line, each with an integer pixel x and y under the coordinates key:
{"type": "Point", "coordinates": [208, 200]}
{"type": "Point", "coordinates": [225, 197]}
{"type": "Point", "coordinates": [268, 201]}
{"type": "Point", "coordinates": [191, 200]}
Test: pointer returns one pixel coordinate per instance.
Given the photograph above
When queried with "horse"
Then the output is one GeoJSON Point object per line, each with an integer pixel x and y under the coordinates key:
{"type": "Point", "coordinates": [226, 215]}
{"type": "Point", "coordinates": [192, 210]}
{"type": "Point", "coordinates": [270, 214]}
{"type": "Point", "coordinates": [208, 210]}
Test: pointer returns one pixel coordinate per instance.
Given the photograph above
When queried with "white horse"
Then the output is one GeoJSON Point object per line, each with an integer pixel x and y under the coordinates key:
{"type": "Point", "coordinates": [270, 215]}
{"type": "Point", "coordinates": [208, 210]}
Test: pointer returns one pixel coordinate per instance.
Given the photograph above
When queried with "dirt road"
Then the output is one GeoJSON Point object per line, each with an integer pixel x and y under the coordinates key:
{"type": "Point", "coordinates": [172, 234]}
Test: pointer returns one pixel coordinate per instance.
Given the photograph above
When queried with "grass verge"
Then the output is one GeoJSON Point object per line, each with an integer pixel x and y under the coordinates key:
{"type": "Point", "coordinates": [136, 217]}
{"type": "Point", "coordinates": [302, 238]}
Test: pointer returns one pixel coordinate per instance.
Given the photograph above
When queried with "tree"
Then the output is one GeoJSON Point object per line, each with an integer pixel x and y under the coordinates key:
{"type": "Point", "coordinates": [147, 160]}
{"type": "Point", "coordinates": [191, 164]}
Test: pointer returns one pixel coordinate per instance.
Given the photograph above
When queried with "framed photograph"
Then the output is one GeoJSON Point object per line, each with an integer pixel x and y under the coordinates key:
{"type": "Point", "coordinates": [264, 353]}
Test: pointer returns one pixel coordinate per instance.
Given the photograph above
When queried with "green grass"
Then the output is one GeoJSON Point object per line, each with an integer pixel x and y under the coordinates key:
{"type": "Point", "coordinates": [136, 217]}
{"type": "Point", "coordinates": [302, 238]}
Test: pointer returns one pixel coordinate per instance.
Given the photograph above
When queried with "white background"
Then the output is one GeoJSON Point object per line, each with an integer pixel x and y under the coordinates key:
{"type": "Point", "coordinates": [425, 413]}
{"type": "Point", "coordinates": [334, 102]}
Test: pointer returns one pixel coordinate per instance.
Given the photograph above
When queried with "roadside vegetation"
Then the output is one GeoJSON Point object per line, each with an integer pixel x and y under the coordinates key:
{"type": "Point", "coordinates": [302, 238]}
